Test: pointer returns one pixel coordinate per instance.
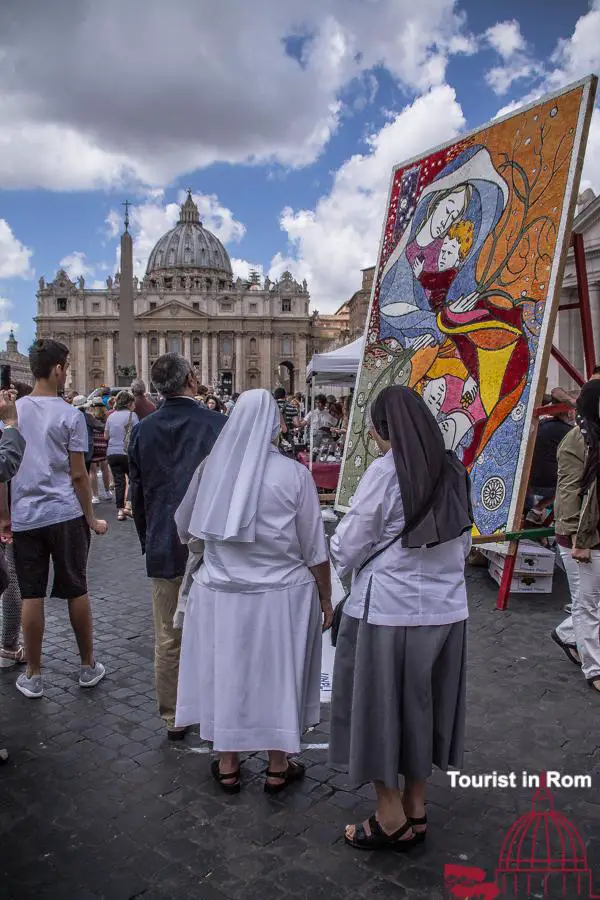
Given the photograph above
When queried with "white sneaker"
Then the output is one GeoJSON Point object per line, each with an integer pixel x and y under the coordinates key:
{"type": "Point", "coordinates": [108, 495]}
{"type": "Point", "coordinates": [89, 676]}
{"type": "Point", "coordinates": [95, 500]}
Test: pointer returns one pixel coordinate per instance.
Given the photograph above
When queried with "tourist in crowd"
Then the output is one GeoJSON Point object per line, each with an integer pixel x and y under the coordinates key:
{"type": "Point", "coordinates": [12, 448]}
{"type": "Point", "coordinates": [337, 414]}
{"type": "Point", "coordinates": [117, 432]}
{"type": "Point", "coordinates": [398, 700]}
{"type": "Point", "coordinates": [99, 464]}
{"type": "Point", "coordinates": [544, 466]}
{"type": "Point", "coordinates": [11, 651]}
{"type": "Point", "coordinates": [228, 404]}
{"type": "Point", "coordinates": [288, 410]}
{"type": "Point", "coordinates": [251, 652]}
{"type": "Point", "coordinates": [143, 405]}
{"type": "Point", "coordinates": [577, 515]}
{"type": "Point", "coordinates": [213, 403]}
{"type": "Point", "coordinates": [165, 450]}
{"type": "Point", "coordinates": [106, 397]}
{"type": "Point", "coordinates": [52, 514]}
{"type": "Point", "coordinates": [319, 420]}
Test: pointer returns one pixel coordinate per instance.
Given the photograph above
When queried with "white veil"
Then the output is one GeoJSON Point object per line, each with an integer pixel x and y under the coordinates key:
{"type": "Point", "coordinates": [225, 505]}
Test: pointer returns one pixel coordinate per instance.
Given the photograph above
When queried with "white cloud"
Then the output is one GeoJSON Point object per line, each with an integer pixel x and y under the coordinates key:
{"type": "Point", "coordinates": [224, 87]}
{"type": "Point", "coordinates": [573, 58]}
{"type": "Point", "coordinates": [590, 177]}
{"type": "Point", "coordinates": [75, 265]}
{"type": "Point", "coordinates": [242, 268]}
{"type": "Point", "coordinates": [328, 245]}
{"type": "Point", "coordinates": [15, 257]}
{"type": "Point", "coordinates": [517, 62]}
{"type": "Point", "coordinates": [579, 55]}
{"type": "Point", "coordinates": [6, 326]}
{"type": "Point", "coordinates": [506, 38]}
{"type": "Point", "coordinates": [150, 220]}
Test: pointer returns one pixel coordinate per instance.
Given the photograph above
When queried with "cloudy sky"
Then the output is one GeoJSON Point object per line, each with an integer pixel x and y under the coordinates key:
{"type": "Point", "coordinates": [285, 118]}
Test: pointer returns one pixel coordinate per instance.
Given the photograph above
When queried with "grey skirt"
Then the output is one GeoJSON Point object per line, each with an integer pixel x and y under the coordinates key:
{"type": "Point", "coordinates": [398, 702]}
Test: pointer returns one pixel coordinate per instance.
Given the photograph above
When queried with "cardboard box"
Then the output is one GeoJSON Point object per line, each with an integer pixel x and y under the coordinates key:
{"type": "Point", "coordinates": [523, 583]}
{"type": "Point", "coordinates": [531, 558]}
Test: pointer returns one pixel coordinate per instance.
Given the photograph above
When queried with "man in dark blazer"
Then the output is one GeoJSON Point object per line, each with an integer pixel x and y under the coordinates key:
{"type": "Point", "coordinates": [165, 450]}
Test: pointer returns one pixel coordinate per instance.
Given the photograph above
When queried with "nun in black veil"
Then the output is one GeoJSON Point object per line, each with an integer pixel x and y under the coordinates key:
{"type": "Point", "coordinates": [398, 701]}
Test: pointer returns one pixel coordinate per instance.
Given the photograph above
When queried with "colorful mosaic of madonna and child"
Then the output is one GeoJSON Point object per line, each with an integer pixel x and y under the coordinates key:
{"type": "Point", "coordinates": [464, 298]}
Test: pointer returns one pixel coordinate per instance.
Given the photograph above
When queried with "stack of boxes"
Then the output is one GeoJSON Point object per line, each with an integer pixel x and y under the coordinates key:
{"type": "Point", "coordinates": [534, 568]}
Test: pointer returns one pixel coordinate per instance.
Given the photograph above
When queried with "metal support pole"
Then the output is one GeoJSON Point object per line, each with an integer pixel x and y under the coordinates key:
{"type": "Point", "coordinates": [589, 353]}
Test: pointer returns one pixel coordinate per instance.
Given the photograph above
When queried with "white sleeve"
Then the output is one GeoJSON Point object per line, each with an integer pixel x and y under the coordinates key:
{"type": "Point", "coordinates": [78, 437]}
{"type": "Point", "coordinates": [309, 522]}
{"type": "Point", "coordinates": [362, 528]}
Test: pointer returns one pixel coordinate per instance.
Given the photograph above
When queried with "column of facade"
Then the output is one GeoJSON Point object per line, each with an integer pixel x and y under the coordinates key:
{"type": "Point", "coordinates": [187, 346]}
{"type": "Point", "coordinates": [266, 375]}
{"type": "Point", "coordinates": [109, 372]}
{"type": "Point", "coordinates": [162, 344]}
{"type": "Point", "coordinates": [240, 378]}
{"type": "Point", "coordinates": [204, 360]}
{"type": "Point", "coordinates": [144, 342]}
{"type": "Point", "coordinates": [214, 373]}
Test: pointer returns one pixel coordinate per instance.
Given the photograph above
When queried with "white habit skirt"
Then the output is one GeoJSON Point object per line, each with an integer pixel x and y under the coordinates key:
{"type": "Point", "coordinates": [250, 669]}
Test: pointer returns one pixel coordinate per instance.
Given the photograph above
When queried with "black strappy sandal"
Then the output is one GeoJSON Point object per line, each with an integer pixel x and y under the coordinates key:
{"type": "Point", "coordinates": [379, 840]}
{"type": "Point", "coordinates": [224, 781]}
{"type": "Point", "coordinates": [419, 835]}
{"type": "Point", "coordinates": [568, 649]}
{"type": "Point", "coordinates": [294, 772]}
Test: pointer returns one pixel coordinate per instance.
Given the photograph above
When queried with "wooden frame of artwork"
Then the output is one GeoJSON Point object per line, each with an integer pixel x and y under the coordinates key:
{"type": "Point", "coordinates": [466, 290]}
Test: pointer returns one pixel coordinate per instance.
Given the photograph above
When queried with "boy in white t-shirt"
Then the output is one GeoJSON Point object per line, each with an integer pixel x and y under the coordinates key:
{"type": "Point", "coordinates": [52, 514]}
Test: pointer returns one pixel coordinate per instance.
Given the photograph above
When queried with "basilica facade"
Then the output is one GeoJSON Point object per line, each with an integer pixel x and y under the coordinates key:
{"type": "Point", "coordinates": [237, 334]}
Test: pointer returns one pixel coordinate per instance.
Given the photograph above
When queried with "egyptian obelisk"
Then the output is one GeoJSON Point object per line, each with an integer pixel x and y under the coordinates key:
{"type": "Point", "coordinates": [126, 348]}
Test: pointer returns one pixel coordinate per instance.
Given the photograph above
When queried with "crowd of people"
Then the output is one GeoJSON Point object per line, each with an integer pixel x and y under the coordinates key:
{"type": "Point", "coordinates": [240, 568]}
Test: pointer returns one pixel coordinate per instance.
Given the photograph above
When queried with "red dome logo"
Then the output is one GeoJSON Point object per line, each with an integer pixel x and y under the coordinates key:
{"type": "Point", "coordinates": [542, 856]}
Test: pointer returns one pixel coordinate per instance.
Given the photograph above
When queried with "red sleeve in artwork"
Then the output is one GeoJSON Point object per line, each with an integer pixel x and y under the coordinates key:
{"type": "Point", "coordinates": [432, 281]}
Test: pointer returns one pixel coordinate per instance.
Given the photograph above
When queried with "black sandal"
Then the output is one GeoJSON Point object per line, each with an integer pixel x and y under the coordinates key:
{"type": "Point", "coordinates": [379, 840]}
{"type": "Point", "coordinates": [419, 835]}
{"type": "Point", "coordinates": [224, 781]}
{"type": "Point", "coordinates": [294, 772]}
{"type": "Point", "coordinates": [568, 649]}
{"type": "Point", "coordinates": [592, 682]}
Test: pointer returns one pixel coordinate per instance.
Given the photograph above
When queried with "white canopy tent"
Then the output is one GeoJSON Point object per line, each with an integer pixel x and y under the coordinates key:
{"type": "Point", "coordinates": [338, 366]}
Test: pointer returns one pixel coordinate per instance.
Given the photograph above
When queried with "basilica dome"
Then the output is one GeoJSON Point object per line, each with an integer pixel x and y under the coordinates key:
{"type": "Point", "coordinates": [189, 246]}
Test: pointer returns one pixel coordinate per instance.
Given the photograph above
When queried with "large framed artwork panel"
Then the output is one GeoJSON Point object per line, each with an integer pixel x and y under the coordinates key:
{"type": "Point", "coordinates": [465, 294]}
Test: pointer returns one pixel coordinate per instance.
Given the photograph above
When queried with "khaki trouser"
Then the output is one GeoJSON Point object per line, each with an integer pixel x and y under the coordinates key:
{"type": "Point", "coordinates": [167, 646]}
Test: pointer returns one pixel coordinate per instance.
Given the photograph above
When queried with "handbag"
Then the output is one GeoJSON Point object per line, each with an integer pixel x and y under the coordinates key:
{"type": "Point", "coordinates": [128, 429]}
{"type": "Point", "coordinates": [339, 608]}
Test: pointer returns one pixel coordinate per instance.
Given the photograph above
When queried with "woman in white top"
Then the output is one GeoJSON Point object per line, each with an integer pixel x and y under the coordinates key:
{"type": "Point", "coordinates": [250, 666]}
{"type": "Point", "coordinates": [117, 431]}
{"type": "Point", "coordinates": [398, 700]}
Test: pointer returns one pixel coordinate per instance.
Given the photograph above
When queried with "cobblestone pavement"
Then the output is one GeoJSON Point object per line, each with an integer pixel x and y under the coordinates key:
{"type": "Point", "coordinates": [96, 803]}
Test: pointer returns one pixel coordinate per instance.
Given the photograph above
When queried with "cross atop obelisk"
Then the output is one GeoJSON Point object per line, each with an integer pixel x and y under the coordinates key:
{"type": "Point", "coordinates": [126, 204]}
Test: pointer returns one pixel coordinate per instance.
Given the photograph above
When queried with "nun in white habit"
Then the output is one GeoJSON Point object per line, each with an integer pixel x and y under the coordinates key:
{"type": "Point", "coordinates": [250, 665]}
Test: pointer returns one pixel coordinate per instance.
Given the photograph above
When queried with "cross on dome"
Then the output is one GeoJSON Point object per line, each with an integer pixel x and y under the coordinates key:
{"type": "Point", "coordinates": [189, 210]}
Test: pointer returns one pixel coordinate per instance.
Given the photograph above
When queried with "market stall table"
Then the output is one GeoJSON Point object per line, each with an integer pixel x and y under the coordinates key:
{"type": "Point", "coordinates": [325, 474]}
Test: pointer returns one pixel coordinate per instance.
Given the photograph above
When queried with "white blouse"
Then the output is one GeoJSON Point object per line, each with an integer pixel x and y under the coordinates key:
{"type": "Point", "coordinates": [404, 587]}
{"type": "Point", "coordinates": [290, 536]}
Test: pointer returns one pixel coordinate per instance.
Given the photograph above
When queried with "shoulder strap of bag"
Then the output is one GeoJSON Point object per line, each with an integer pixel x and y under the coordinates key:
{"type": "Point", "coordinates": [409, 526]}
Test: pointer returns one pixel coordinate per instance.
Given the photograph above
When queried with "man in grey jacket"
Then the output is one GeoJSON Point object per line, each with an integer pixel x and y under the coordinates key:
{"type": "Point", "coordinates": [12, 443]}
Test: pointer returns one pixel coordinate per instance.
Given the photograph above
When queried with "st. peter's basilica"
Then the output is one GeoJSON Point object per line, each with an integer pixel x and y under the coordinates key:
{"type": "Point", "coordinates": [238, 334]}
